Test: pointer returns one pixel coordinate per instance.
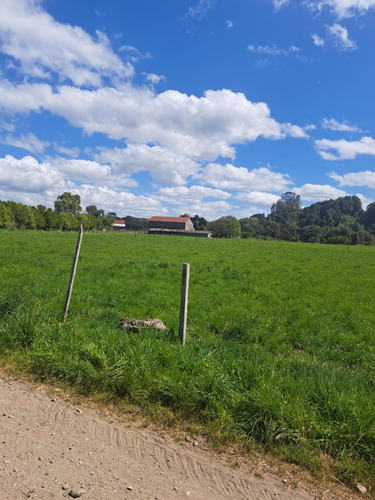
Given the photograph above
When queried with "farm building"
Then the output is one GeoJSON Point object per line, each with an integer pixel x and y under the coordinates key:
{"type": "Point", "coordinates": [175, 226]}
{"type": "Point", "coordinates": [118, 225]}
{"type": "Point", "coordinates": [183, 223]}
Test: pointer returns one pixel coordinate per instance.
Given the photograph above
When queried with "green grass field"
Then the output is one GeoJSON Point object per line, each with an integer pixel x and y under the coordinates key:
{"type": "Point", "coordinates": [280, 351]}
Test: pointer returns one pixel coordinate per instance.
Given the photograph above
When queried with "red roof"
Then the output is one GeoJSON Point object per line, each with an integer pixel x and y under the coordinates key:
{"type": "Point", "coordinates": [119, 222]}
{"type": "Point", "coordinates": [168, 219]}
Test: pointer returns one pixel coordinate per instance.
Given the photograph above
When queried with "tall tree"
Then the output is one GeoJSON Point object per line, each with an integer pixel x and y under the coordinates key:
{"type": "Point", "coordinates": [287, 208]}
{"type": "Point", "coordinates": [225, 227]}
{"type": "Point", "coordinates": [68, 202]}
{"type": "Point", "coordinates": [200, 223]}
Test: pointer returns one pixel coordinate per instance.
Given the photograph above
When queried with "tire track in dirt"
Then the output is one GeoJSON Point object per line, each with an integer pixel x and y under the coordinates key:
{"type": "Point", "coordinates": [84, 445]}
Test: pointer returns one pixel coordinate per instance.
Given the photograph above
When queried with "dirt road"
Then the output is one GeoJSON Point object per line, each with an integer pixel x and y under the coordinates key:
{"type": "Point", "coordinates": [53, 449]}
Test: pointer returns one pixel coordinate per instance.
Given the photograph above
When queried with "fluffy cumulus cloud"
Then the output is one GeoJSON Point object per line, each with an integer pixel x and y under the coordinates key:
{"type": "Point", "coordinates": [257, 201]}
{"type": "Point", "coordinates": [343, 8]}
{"type": "Point", "coordinates": [240, 178]}
{"type": "Point", "coordinates": [318, 192]}
{"type": "Point", "coordinates": [27, 174]}
{"type": "Point", "coordinates": [91, 172]}
{"type": "Point", "coordinates": [364, 179]}
{"type": "Point", "coordinates": [42, 46]}
{"type": "Point", "coordinates": [163, 164]}
{"type": "Point", "coordinates": [345, 150]}
{"type": "Point", "coordinates": [210, 210]}
{"type": "Point", "coordinates": [121, 202]}
{"type": "Point", "coordinates": [193, 194]}
{"type": "Point", "coordinates": [200, 127]}
{"type": "Point", "coordinates": [28, 181]}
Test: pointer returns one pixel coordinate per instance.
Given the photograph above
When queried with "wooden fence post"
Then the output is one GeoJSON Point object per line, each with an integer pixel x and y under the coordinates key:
{"type": "Point", "coordinates": [184, 302]}
{"type": "Point", "coordinates": [73, 273]}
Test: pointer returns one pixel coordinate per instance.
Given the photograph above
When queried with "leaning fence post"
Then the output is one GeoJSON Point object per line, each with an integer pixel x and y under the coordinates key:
{"type": "Point", "coordinates": [73, 273]}
{"type": "Point", "coordinates": [184, 302]}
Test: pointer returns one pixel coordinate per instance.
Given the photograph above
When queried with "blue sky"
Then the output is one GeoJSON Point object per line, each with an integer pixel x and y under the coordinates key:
{"type": "Point", "coordinates": [211, 107]}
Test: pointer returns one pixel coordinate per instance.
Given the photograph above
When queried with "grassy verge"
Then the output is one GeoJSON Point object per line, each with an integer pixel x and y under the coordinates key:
{"type": "Point", "coordinates": [280, 350]}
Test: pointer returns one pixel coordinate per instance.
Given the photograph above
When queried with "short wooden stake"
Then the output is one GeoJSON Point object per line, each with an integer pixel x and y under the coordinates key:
{"type": "Point", "coordinates": [184, 302]}
{"type": "Point", "coordinates": [73, 273]}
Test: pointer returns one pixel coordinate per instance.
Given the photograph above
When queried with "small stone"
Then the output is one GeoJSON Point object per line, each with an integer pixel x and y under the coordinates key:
{"type": "Point", "coordinates": [76, 493]}
{"type": "Point", "coordinates": [53, 400]}
{"type": "Point", "coordinates": [188, 439]}
{"type": "Point", "coordinates": [130, 488]}
{"type": "Point", "coordinates": [188, 493]}
{"type": "Point", "coordinates": [284, 481]}
{"type": "Point", "coordinates": [65, 486]}
{"type": "Point", "coordinates": [78, 410]}
{"type": "Point", "coordinates": [195, 443]}
{"type": "Point", "coordinates": [362, 488]}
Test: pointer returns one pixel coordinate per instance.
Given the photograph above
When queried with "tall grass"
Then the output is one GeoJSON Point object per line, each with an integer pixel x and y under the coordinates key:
{"type": "Point", "coordinates": [280, 349]}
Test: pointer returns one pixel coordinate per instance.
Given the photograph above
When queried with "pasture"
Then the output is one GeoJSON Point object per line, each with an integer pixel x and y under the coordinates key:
{"type": "Point", "coordinates": [280, 351]}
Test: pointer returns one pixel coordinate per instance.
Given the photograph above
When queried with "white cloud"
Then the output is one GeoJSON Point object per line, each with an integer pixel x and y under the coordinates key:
{"type": "Point", "coordinates": [341, 37]}
{"type": "Point", "coordinates": [318, 192]}
{"type": "Point", "coordinates": [43, 46]}
{"type": "Point", "coordinates": [91, 172]}
{"type": "Point", "coordinates": [229, 24]}
{"type": "Point", "coordinates": [345, 150]}
{"type": "Point", "coordinates": [200, 127]}
{"type": "Point", "coordinates": [279, 4]}
{"type": "Point", "coordinates": [153, 78]}
{"type": "Point", "coordinates": [27, 175]}
{"type": "Point", "coordinates": [25, 97]}
{"type": "Point", "coordinates": [273, 50]}
{"type": "Point", "coordinates": [258, 201]}
{"type": "Point", "coordinates": [28, 181]}
{"type": "Point", "coordinates": [317, 40]}
{"type": "Point", "coordinates": [241, 179]}
{"type": "Point", "coordinates": [343, 8]}
{"type": "Point", "coordinates": [29, 142]}
{"type": "Point", "coordinates": [210, 210]}
{"type": "Point", "coordinates": [365, 179]}
{"type": "Point", "coordinates": [162, 164]}
{"type": "Point", "coordinates": [121, 202]}
{"type": "Point", "coordinates": [192, 195]}
{"type": "Point", "coordinates": [332, 124]}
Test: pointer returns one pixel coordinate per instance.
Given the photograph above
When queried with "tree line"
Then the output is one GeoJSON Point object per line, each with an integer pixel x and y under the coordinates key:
{"type": "Point", "coordinates": [340, 221]}
{"type": "Point", "coordinates": [66, 215]}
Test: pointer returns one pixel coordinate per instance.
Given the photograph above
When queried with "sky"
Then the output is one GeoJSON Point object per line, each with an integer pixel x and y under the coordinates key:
{"type": "Point", "coordinates": [210, 107]}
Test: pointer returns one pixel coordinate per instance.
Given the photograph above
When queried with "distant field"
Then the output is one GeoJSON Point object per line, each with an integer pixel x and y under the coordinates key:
{"type": "Point", "coordinates": [281, 336]}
